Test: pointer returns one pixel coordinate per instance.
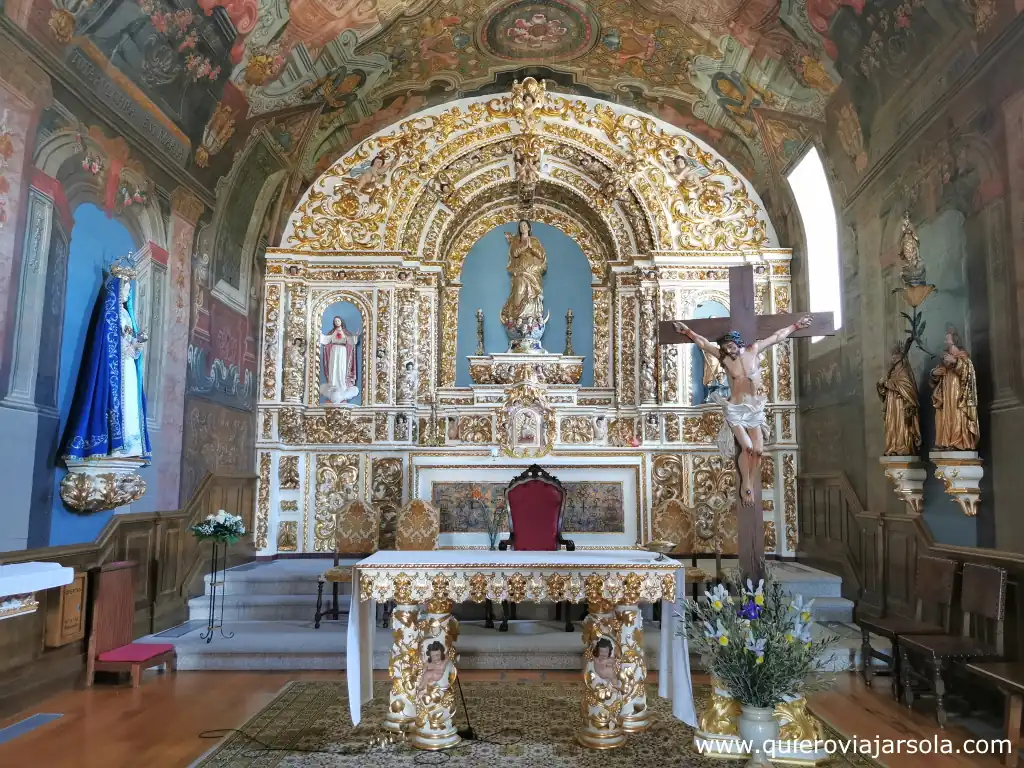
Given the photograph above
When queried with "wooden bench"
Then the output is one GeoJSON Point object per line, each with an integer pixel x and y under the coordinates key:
{"type": "Point", "coordinates": [110, 646]}
{"type": "Point", "coordinates": [1008, 677]}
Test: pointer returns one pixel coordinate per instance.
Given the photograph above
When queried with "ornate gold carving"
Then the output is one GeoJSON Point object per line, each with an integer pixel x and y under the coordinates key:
{"type": "Point", "coordinates": [648, 345]}
{"type": "Point", "coordinates": [449, 334]}
{"type": "Point", "coordinates": [475, 429]}
{"type": "Point", "coordinates": [295, 345]}
{"type": "Point", "coordinates": [425, 346]}
{"type": "Point", "coordinates": [380, 427]}
{"type": "Point", "coordinates": [714, 481]}
{"type": "Point", "coordinates": [290, 505]}
{"type": "Point", "coordinates": [720, 716]}
{"type": "Point", "coordinates": [62, 25]}
{"type": "Point", "coordinates": [271, 317]}
{"type": "Point", "coordinates": [784, 353]}
{"type": "Point", "coordinates": [383, 357]}
{"type": "Point", "coordinates": [668, 477]}
{"type": "Point", "coordinates": [262, 527]}
{"type": "Point", "coordinates": [796, 723]}
{"type": "Point", "coordinates": [602, 335]}
{"type": "Point", "coordinates": [787, 425]}
{"type": "Point", "coordinates": [767, 471]}
{"type": "Point", "coordinates": [403, 427]}
{"type": "Point", "coordinates": [702, 429]}
{"type": "Point", "coordinates": [623, 432]}
{"type": "Point", "coordinates": [526, 424]}
{"type": "Point", "coordinates": [669, 355]}
{"type": "Point", "coordinates": [288, 473]}
{"type": "Point", "coordinates": [267, 425]}
{"type": "Point", "coordinates": [771, 541]}
{"type": "Point", "coordinates": [576, 429]}
{"type": "Point", "coordinates": [333, 426]}
{"type": "Point", "coordinates": [671, 428]}
{"type": "Point", "coordinates": [288, 536]}
{"type": "Point", "coordinates": [760, 297]}
{"type": "Point", "coordinates": [386, 490]}
{"type": "Point", "coordinates": [781, 298]}
{"type": "Point", "coordinates": [490, 371]}
{"type": "Point", "coordinates": [100, 491]}
{"type": "Point", "coordinates": [626, 350]}
{"type": "Point", "coordinates": [789, 499]}
{"type": "Point", "coordinates": [337, 476]}
{"type": "Point", "coordinates": [406, 300]}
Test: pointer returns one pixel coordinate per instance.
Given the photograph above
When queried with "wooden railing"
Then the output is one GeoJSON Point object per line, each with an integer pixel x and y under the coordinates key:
{"type": "Point", "coordinates": [171, 567]}
{"type": "Point", "coordinates": [876, 554]}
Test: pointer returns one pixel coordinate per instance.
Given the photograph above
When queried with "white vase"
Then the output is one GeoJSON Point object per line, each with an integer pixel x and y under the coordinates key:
{"type": "Point", "coordinates": [758, 725]}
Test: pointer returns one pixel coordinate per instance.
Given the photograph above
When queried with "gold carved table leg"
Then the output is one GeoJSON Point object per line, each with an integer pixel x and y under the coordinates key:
{"type": "Point", "coordinates": [602, 697]}
{"type": "Point", "coordinates": [435, 689]}
{"type": "Point", "coordinates": [405, 667]}
{"type": "Point", "coordinates": [632, 669]}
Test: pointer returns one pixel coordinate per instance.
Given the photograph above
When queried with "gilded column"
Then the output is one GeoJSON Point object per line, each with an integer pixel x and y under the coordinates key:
{"type": "Point", "coordinates": [407, 321]}
{"type": "Point", "coordinates": [435, 689]}
{"type": "Point", "coordinates": [294, 377]}
{"type": "Point", "coordinates": [669, 354]}
{"type": "Point", "coordinates": [625, 350]}
{"type": "Point", "coordinates": [648, 345]}
{"type": "Point", "coordinates": [271, 339]}
{"type": "Point", "coordinates": [602, 337]}
{"type": "Point", "coordinates": [405, 667]}
{"type": "Point", "coordinates": [425, 342]}
{"type": "Point", "coordinates": [383, 355]}
{"type": "Point", "coordinates": [449, 335]}
{"type": "Point", "coordinates": [602, 700]}
{"type": "Point", "coordinates": [632, 669]}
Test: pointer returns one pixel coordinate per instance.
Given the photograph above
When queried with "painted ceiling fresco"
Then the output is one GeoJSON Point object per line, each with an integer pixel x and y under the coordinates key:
{"type": "Point", "coordinates": [752, 77]}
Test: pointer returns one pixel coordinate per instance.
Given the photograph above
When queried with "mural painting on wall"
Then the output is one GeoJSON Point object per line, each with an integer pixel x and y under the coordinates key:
{"type": "Point", "coordinates": [590, 507]}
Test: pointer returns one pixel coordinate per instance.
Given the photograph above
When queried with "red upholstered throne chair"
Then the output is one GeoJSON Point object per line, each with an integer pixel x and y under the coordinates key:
{"type": "Point", "coordinates": [535, 501]}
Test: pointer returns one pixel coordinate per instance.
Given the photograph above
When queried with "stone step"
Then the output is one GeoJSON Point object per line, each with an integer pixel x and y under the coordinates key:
{"type": "Point", "coordinates": [833, 609]}
{"type": "Point", "coordinates": [250, 607]}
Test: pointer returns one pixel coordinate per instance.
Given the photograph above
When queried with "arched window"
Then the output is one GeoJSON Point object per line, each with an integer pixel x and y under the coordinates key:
{"type": "Point", "coordinates": [814, 199]}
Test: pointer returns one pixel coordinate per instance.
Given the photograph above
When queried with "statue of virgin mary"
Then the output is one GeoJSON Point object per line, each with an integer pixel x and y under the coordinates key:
{"type": "Point", "coordinates": [108, 412]}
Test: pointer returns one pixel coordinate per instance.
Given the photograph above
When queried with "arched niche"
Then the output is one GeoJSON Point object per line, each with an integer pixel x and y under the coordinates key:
{"type": "Point", "coordinates": [486, 284]}
{"type": "Point", "coordinates": [352, 323]}
{"type": "Point", "coordinates": [355, 310]}
{"type": "Point", "coordinates": [706, 306]}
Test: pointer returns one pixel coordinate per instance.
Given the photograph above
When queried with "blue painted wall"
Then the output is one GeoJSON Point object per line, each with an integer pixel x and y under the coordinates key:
{"type": "Point", "coordinates": [485, 284]}
{"type": "Point", "coordinates": [95, 241]}
{"type": "Point", "coordinates": [709, 308]}
{"type": "Point", "coordinates": [349, 314]}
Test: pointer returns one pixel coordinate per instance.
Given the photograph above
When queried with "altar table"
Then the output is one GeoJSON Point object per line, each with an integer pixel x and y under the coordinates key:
{"type": "Point", "coordinates": [423, 653]}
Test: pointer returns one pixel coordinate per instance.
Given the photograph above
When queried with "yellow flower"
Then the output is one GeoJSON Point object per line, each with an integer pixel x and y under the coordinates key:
{"type": "Point", "coordinates": [723, 640]}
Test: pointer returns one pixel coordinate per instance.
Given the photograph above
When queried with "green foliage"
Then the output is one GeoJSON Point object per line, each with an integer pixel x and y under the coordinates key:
{"type": "Point", "coordinates": [757, 644]}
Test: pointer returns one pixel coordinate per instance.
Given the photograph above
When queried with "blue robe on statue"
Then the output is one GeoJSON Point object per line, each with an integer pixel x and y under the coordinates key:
{"type": "Point", "coordinates": [108, 413]}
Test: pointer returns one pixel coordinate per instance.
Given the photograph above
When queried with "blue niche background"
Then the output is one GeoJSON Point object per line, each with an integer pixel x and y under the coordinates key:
{"type": "Point", "coordinates": [486, 284]}
{"type": "Point", "coordinates": [96, 240]}
{"type": "Point", "coordinates": [353, 320]}
{"type": "Point", "coordinates": [708, 308]}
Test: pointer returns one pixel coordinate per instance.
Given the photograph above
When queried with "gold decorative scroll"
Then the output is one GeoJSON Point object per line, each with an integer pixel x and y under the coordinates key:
{"type": "Point", "coordinates": [383, 356]}
{"type": "Point", "coordinates": [262, 526]}
{"type": "Point", "coordinates": [337, 476]}
{"type": "Point", "coordinates": [271, 318]}
{"type": "Point", "coordinates": [789, 499]}
{"type": "Point", "coordinates": [602, 336]}
{"type": "Point", "coordinates": [449, 334]}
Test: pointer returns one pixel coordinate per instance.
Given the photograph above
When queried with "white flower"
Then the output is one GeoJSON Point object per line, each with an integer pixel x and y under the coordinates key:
{"type": "Point", "coordinates": [719, 597]}
{"type": "Point", "coordinates": [757, 595]}
{"type": "Point", "coordinates": [756, 646]}
{"type": "Point", "coordinates": [717, 632]}
{"type": "Point", "coordinates": [802, 609]}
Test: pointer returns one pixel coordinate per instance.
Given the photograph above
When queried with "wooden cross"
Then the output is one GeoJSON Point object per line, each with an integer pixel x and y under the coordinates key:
{"type": "Point", "coordinates": [751, 327]}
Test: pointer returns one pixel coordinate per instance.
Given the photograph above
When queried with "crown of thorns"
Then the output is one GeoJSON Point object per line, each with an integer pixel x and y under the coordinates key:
{"type": "Point", "coordinates": [733, 336]}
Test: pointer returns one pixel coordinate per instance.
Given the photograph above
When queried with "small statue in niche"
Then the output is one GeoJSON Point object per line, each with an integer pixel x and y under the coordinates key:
{"type": "Point", "coordinates": [407, 387]}
{"type": "Point", "coordinates": [647, 381]}
{"type": "Point", "coordinates": [898, 392]}
{"type": "Point", "coordinates": [600, 428]}
{"type": "Point", "coordinates": [338, 362]}
{"type": "Point", "coordinates": [295, 358]}
{"type": "Point", "coordinates": [955, 397]}
{"type": "Point", "coordinates": [913, 271]}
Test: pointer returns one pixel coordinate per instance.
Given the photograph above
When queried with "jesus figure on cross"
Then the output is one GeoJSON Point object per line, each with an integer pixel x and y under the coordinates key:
{"type": "Point", "coordinates": [744, 410]}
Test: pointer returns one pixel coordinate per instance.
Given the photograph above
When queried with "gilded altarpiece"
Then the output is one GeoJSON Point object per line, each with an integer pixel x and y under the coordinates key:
{"type": "Point", "coordinates": [391, 242]}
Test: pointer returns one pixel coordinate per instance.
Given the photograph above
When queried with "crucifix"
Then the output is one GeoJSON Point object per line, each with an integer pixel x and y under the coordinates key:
{"type": "Point", "coordinates": [738, 341]}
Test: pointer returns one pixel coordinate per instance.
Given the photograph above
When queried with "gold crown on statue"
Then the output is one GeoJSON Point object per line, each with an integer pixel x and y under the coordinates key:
{"type": "Point", "coordinates": [122, 267]}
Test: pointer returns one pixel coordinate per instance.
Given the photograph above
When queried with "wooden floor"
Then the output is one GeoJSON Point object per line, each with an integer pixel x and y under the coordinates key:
{"type": "Point", "coordinates": [157, 725]}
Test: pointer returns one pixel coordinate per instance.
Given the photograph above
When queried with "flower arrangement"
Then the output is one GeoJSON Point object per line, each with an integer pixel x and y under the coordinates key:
{"type": "Point", "coordinates": [758, 644]}
{"type": "Point", "coordinates": [495, 518]}
{"type": "Point", "coordinates": [220, 527]}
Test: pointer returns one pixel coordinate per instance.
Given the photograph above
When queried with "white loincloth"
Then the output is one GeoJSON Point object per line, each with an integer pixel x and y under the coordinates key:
{"type": "Point", "coordinates": [747, 414]}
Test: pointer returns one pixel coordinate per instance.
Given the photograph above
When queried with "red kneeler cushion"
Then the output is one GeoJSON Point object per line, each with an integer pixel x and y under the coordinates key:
{"type": "Point", "coordinates": [535, 507]}
{"type": "Point", "coordinates": [135, 653]}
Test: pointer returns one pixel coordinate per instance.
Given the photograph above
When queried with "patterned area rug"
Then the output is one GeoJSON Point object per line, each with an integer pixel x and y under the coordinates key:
{"type": "Point", "coordinates": [518, 724]}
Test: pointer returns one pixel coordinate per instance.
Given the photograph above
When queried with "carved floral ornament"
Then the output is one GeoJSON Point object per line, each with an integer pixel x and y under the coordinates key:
{"type": "Point", "coordinates": [363, 202]}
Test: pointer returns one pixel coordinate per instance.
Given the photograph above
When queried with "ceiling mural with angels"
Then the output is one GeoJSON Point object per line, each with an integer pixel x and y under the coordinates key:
{"type": "Point", "coordinates": [751, 77]}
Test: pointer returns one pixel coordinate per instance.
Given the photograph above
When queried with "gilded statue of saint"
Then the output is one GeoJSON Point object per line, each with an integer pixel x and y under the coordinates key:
{"type": "Point", "coordinates": [955, 398]}
{"type": "Point", "coordinates": [898, 391]}
{"type": "Point", "coordinates": [913, 271]}
{"type": "Point", "coordinates": [527, 264]}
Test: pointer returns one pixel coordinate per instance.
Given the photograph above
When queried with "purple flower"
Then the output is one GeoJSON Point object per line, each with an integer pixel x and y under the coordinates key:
{"type": "Point", "coordinates": [750, 611]}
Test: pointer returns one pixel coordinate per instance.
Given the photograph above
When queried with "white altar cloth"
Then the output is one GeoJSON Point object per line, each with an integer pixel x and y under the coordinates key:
{"type": "Point", "coordinates": [373, 579]}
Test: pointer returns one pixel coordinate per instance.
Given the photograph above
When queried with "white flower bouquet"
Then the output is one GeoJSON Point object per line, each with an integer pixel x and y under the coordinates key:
{"type": "Point", "coordinates": [220, 527]}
